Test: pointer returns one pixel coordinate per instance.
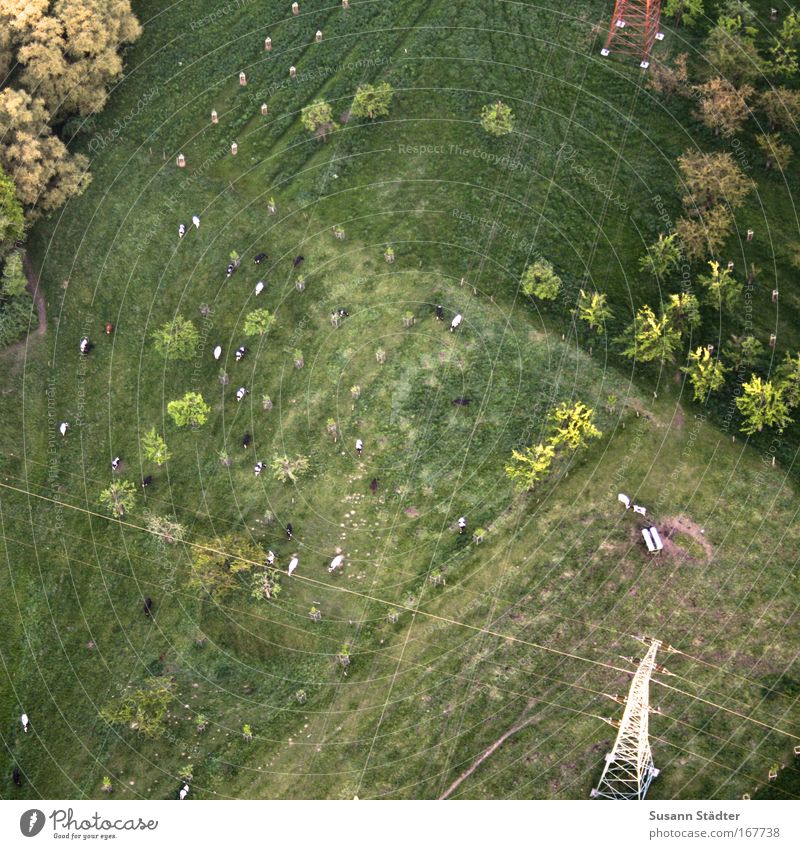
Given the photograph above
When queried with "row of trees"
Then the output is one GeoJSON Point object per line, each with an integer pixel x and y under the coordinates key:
{"type": "Point", "coordinates": [58, 59]}
{"type": "Point", "coordinates": [370, 101]}
{"type": "Point", "coordinates": [570, 427]}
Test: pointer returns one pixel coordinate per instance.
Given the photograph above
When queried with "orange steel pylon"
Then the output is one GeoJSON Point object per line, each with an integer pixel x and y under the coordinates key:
{"type": "Point", "coordinates": [634, 29]}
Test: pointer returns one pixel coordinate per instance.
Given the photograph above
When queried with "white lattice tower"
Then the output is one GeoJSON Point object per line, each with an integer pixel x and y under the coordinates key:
{"type": "Point", "coordinates": [629, 766]}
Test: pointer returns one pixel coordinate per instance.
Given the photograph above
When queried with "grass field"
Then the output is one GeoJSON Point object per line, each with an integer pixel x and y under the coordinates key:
{"type": "Point", "coordinates": [530, 627]}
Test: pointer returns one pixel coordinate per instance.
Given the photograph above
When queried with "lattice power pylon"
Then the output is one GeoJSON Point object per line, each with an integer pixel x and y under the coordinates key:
{"type": "Point", "coordinates": [634, 29]}
{"type": "Point", "coordinates": [629, 767]}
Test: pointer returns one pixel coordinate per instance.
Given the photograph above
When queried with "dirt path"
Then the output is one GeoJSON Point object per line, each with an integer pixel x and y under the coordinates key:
{"type": "Point", "coordinates": [487, 753]}
{"type": "Point", "coordinates": [36, 291]}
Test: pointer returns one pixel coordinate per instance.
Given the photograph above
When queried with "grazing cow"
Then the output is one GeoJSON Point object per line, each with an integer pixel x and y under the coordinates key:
{"type": "Point", "coordinates": [258, 468]}
{"type": "Point", "coordinates": [439, 312]}
{"type": "Point", "coordinates": [240, 393]}
{"type": "Point", "coordinates": [196, 221]}
{"type": "Point", "coordinates": [259, 287]}
{"type": "Point", "coordinates": [109, 328]}
{"type": "Point", "coordinates": [246, 440]}
{"type": "Point", "coordinates": [63, 428]}
{"type": "Point", "coordinates": [184, 792]}
{"type": "Point", "coordinates": [270, 558]}
{"type": "Point", "coordinates": [336, 563]}
{"type": "Point", "coordinates": [181, 230]}
{"type": "Point", "coordinates": [240, 352]}
{"type": "Point", "coordinates": [85, 345]}
{"type": "Point", "coordinates": [25, 722]}
{"type": "Point", "coordinates": [259, 258]}
{"type": "Point", "coordinates": [147, 481]}
{"type": "Point", "coordinates": [359, 447]}
{"type": "Point", "coordinates": [454, 324]}
{"type": "Point", "coordinates": [299, 260]}
{"type": "Point", "coordinates": [641, 510]}
{"type": "Point", "coordinates": [623, 499]}
{"type": "Point", "coordinates": [147, 607]}
{"type": "Point", "coordinates": [461, 402]}
{"type": "Point", "coordinates": [232, 266]}
{"type": "Point", "coordinates": [16, 776]}
{"type": "Point", "coordinates": [462, 524]}
{"type": "Point", "coordinates": [217, 352]}
{"type": "Point", "coordinates": [342, 312]}
{"type": "Point", "coordinates": [289, 530]}
{"type": "Point", "coordinates": [373, 485]}
{"type": "Point", "coordinates": [293, 564]}
{"type": "Point", "coordinates": [116, 463]}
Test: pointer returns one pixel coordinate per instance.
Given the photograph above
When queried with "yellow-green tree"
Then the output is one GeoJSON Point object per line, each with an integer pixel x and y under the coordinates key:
{"type": "Point", "coordinates": [154, 447]}
{"type": "Point", "coordinates": [372, 101]}
{"type": "Point", "coordinates": [573, 425]}
{"type": "Point", "coordinates": [217, 563]}
{"type": "Point", "coordinates": [650, 338]}
{"type": "Point", "coordinates": [541, 281]}
{"type": "Point", "coordinates": [317, 118]}
{"type": "Point", "coordinates": [144, 709]}
{"type": "Point", "coordinates": [762, 404]}
{"type": "Point", "coordinates": [189, 411]}
{"type": "Point", "coordinates": [119, 498]}
{"type": "Point", "coordinates": [722, 107]}
{"type": "Point", "coordinates": [177, 339]}
{"type": "Point", "coordinates": [594, 310]}
{"type": "Point", "coordinates": [775, 150]}
{"type": "Point", "coordinates": [706, 373]}
{"type": "Point", "coordinates": [527, 467]}
{"type": "Point", "coordinates": [497, 119]}
{"type": "Point", "coordinates": [722, 288]}
{"type": "Point", "coordinates": [12, 218]}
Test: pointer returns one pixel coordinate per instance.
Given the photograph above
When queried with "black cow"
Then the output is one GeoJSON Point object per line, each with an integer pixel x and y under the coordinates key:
{"type": "Point", "coordinates": [259, 258]}
{"type": "Point", "coordinates": [147, 481]}
{"type": "Point", "coordinates": [439, 312]}
{"type": "Point", "coordinates": [147, 607]}
{"type": "Point", "coordinates": [240, 352]}
{"type": "Point", "coordinates": [289, 530]}
{"type": "Point", "coordinates": [461, 402]}
{"type": "Point", "coordinates": [16, 776]}
{"type": "Point", "coordinates": [299, 260]}
{"type": "Point", "coordinates": [246, 440]}
{"type": "Point", "coordinates": [373, 485]}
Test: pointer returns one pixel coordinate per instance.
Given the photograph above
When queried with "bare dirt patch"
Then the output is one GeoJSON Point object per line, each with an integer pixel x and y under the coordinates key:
{"type": "Point", "coordinates": [673, 528]}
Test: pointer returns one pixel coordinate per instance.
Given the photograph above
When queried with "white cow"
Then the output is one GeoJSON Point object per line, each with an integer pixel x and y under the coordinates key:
{"type": "Point", "coordinates": [454, 324]}
{"type": "Point", "coordinates": [641, 510]}
{"type": "Point", "coordinates": [270, 558]}
{"type": "Point", "coordinates": [25, 722]}
{"type": "Point", "coordinates": [184, 792]}
{"type": "Point", "coordinates": [181, 230]}
{"type": "Point", "coordinates": [240, 393]}
{"type": "Point", "coordinates": [196, 221]}
{"type": "Point", "coordinates": [259, 287]}
{"type": "Point", "coordinates": [462, 523]}
{"type": "Point", "coordinates": [359, 446]}
{"type": "Point", "coordinates": [623, 499]}
{"type": "Point", "coordinates": [217, 352]}
{"type": "Point", "coordinates": [336, 562]}
{"type": "Point", "coordinates": [63, 428]}
{"type": "Point", "coordinates": [293, 563]}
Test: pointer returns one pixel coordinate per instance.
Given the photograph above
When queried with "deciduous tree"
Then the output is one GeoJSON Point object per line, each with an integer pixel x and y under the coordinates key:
{"type": "Point", "coordinates": [527, 467]}
{"type": "Point", "coordinates": [775, 150]}
{"type": "Point", "coordinates": [45, 174]}
{"type": "Point", "coordinates": [119, 498]}
{"type": "Point", "coordinates": [217, 563]}
{"type": "Point", "coordinates": [706, 234]}
{"type": "Point", "coordinates": [154, 447]}
{"type": "Point", "coordinates": [573, 425]}
{"type": "Point", "coordinates": [722, 289]}
{"type": "Point", "coordinates": [722, 107]}
{"type": "Point", "coordinates": [177, 339]}
{"type": "Point", "coordinates": [372, 101]}
{"type": "Point", "coordinates": [541, 281]}
{"type": "Point", "coordinates": [649, 338]}
{"type": "Point", "coordinates": [12, 218]}
{"type": "Point", "coordinates": [710, 179]}
{"type": "Point", "coordinates": [497, 119]}
{"type": "Point", "coordinates": [662, 256]}
{"type": "Point", "coordinates": [258, 322]}
{"type": "Point", "coordinates": [191, 410]}
{"type": "Point", "coordinates": [594, 310]}
{"type": "Point", "coordinates": [706, 373]}
{"type": "Point", "coordinates": [762, 404]}
{"type": "Point", "coordinates": [317, 118]}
